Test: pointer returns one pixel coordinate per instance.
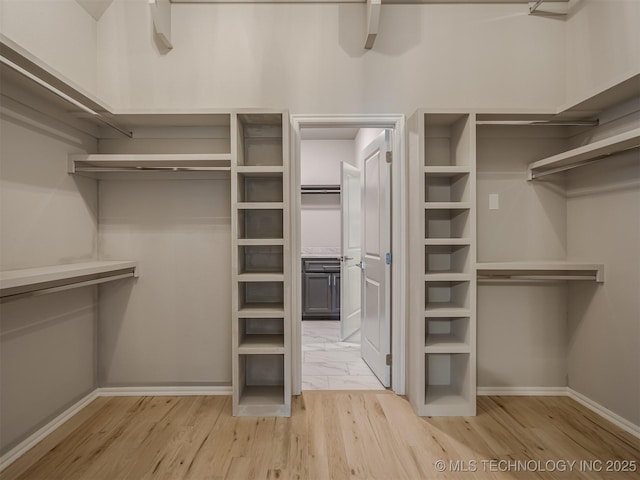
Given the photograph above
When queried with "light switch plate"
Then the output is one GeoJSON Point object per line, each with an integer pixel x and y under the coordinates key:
{"type": "Point", "coordinates": [494, 201]}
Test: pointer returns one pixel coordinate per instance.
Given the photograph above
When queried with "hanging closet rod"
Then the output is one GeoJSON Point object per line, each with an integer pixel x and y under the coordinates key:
{"type": "Point", "coordinates": [562, 123]}
{"type": "Point", "coordinates": [541, 278]}
{"type": "Point", "coordinates": [578, 164]}
{"type": "Point", "coordinates": [62, 288]}
{"type": "Point", "coordinates": [64, 96]}
{"type": "Point", "coordinates": [162, 169]}
{"type": "Point", "coordinates": [321, 189]}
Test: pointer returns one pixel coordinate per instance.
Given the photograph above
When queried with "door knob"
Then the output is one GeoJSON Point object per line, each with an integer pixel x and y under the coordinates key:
{"type": "Point", "coordinates": [345, 258]}
{"type": "Point", "coordinates": [361, 265]}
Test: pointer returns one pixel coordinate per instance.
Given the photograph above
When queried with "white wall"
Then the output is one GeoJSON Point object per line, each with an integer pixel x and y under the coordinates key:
{"type": "Point", "coordinates": [320, 162]}
{"type": "Point", "coordinates": [309, 58]}
{"type": "Point", "coordinates": [172, 325]}
{"type": "Point", "coordinates": [47, 344]}
{"type": "Point", "coordinates": [59, 32]}
{"type": "Point", "coordinates": [603, 225]}
{"type": "Point", "coordinates": [602, 45]}
{"type": "Point", "coordinates": [521, 326]}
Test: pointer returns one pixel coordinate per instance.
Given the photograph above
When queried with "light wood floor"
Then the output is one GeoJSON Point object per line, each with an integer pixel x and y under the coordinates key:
{"type": "Point", "coordinates": [331, 435]}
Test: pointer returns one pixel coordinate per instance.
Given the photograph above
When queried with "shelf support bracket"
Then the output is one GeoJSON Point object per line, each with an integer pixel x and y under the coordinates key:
{"type": "Point", "coordinates": [373, 20]}
{"type": "Point", "coordinates": [558, 9]}
{"type": "Point", "coordinates": [161, 16]}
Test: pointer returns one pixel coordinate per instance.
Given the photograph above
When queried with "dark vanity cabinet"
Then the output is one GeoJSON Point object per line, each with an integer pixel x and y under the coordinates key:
{"type": "Point", "coordinates": [320, 289]}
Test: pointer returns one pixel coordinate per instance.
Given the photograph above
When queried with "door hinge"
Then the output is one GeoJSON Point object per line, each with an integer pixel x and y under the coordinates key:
{"type": "Point", "coordinates": [389, 157]}
{"type": "Point", "coordinates": [388, 258]}
{"type": "Point", "coordinates": [388, 359]}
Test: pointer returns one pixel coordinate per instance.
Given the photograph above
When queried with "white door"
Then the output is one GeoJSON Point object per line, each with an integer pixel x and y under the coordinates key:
{"type": "Point", "coordinates": [376, 256]}
{"type": "Point", "coordinates": [350, 273]}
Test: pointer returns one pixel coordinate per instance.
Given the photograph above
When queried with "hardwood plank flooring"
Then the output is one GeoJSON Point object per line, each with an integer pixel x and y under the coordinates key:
{"type": "Point", "coordinates": [330, 435]}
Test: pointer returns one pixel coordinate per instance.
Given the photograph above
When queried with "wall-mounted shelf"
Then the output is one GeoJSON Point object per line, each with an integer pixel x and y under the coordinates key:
{"type": "Point", "coordinates": [445, 343]}
{"type": "Point", "coordinates": [447, 171]}
{"type": "Point", "coordinates": [447, 205]}
{"type": "Point", "coordinates": [106, 165]}
{"type": "Point", "coordinates": [42, 280]}
{"type": "Point", "coordinates": [582, 155]}
{"type": "Point", "coordinates": [261, 344]}
{"type": "Point", "coordinates": [542, 271]}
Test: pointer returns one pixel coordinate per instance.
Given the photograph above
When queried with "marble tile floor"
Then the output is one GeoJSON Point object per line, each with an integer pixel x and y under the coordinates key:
{"type": "Point", "coordinates": [329, 364]}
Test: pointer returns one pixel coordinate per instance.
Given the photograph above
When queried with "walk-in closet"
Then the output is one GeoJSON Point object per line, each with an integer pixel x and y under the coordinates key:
{"type": "Point", "coordinates": [449, 290]}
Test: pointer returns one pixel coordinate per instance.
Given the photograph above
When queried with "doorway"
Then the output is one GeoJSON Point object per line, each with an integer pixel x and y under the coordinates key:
{"type": "Point", "coordinates": [334, 341]}
{"type": "Point", "coordinates": [340, 333]}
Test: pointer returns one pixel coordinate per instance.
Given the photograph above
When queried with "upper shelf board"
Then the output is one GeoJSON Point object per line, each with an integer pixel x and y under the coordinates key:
{"type": "Point", "coordinates": [542, 270]}
{"type": "Point", "coordinates": [16, 282]}
{"type": "Point", "coordinates": [593, 151]}
{"type": "Point", "coordinates": [98, 165]}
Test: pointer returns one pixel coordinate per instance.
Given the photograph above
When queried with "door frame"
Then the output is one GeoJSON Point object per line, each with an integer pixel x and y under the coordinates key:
{"type": "Point", "coordinates": [399, 237]}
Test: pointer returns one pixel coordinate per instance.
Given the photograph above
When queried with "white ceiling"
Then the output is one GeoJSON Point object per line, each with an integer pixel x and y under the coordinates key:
{"type": "Point", "coordinates": [95, 8]}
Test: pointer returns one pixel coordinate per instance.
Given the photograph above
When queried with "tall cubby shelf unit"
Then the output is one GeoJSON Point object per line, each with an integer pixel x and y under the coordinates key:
{"type": "Point", "coordinates": [442, 326]}
{"type": "Point", "coordinates": [261, 276]}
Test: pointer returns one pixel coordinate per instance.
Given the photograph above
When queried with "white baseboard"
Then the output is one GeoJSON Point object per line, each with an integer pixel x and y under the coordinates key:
{"type": "Point", "coordinates": [524, 391]}
{"type": "Point", "coordinates": [29, 442]}
{"type": "Point", "coordinates": [604, 412]}
{"type": "Point", "coordinates": [595, 407]}
{"type": "Point", "coordinates": [162, 391]}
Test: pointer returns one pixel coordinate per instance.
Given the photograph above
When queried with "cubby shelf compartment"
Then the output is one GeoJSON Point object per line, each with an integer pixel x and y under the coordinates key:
{"type": "Point", "coordinates": [259, 171]}
{"type": "Point", "coordinates": [447, 294]}
{"type": "Point", "coordinates": [261, 260]}
{"type": "Point", "coordinates": [260, 223]}
{"type": "Point", "coordinates": [260, 205]}
{"type": "Point", "coordinates": [449, 187]}
{"type": "Point", "coordinates": [50, 279]}
{"type": "Point", "coordinates": [447, 205]}
{"type": "Point", "coordinates": [261, 277]}
{"type": "Point", "coordinates": [447, 241]}
{"type": "Point", "coordinates": [261, 344]}
{"type": "Point", "coordinates": [260, 188]}
{"type": "Point", "coordinates": [446, 223]}
{"type": "Point", "coordinates": [445, 309]}
{"type": "Point", "coordinates": [447, 277]}
{"type": "Point", "coordinates": [261, 310]}
{"type": "Point", "coordinates": [448, 259]}
{"type": "Point", "coordinates": [449, 388]}
{"type": "Point", "coordinates": [261, 336]}
{"type": "Point", "coordinates": [447, 335]}
{"type": "Point", "coordinates": [260, 241]}
{"type": "Point", "coordinates": [261, 387]}
{"type": "Point", "coordinates": [445, 343]}
{"type": "Point", "coordinates": [103, 165]}
{"type": "Point", "coordinates": [447, 171]}
{"type": "Point", "coordinates": [587, 153]}
{"type": "Point", "coordinates": [543, 270]}
{"type": "Point", "coordinates": [260, 139]}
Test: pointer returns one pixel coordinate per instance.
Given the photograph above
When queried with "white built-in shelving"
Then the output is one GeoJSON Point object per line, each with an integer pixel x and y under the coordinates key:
{"type": "Point", "coordinates": [260, 265]}
{"type": "Point", "coordinates": [104, 165]}
{"type": "Point", "coordinates": [543, 270]}
{"type": "Point", "coordinates": [586, 153]}
{"type": "Point", "coordinates": [55, 278]}
{"type": "Point", "coordinates": [442, 347]}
